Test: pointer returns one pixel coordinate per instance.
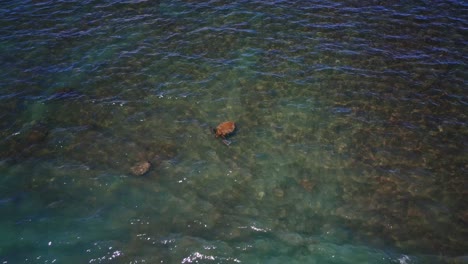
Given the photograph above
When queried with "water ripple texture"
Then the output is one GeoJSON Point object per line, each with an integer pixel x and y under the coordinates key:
{"type": "Point", "coordinates": [350, 143]}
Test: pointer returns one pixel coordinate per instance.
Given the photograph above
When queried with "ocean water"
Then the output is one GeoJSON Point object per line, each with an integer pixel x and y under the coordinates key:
{"type": "Point", "coordinates": [351, 140]}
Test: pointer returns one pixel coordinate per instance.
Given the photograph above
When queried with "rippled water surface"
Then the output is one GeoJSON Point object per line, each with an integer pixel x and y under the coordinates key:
{"type": "Point", "coordinates": [350, 147]}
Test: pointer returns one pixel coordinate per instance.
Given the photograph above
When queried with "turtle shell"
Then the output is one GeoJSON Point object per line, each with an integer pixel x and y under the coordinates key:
{"type": "Point", "coordinates": [225, 129]}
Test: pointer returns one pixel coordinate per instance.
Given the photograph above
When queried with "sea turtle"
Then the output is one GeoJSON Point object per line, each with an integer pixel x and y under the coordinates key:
{"type": "Point", "coordinates": [140, 168]}
{"type": "Point", "coordinates": [225, 129]}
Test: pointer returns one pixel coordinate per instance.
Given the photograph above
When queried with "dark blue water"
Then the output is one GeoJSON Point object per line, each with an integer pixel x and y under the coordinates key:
{"type": "Point", "coordinates": [350, 147]}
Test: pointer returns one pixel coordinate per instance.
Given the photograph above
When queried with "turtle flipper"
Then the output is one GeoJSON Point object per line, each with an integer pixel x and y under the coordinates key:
{"type": "Point", "coordinates": [213, 130]}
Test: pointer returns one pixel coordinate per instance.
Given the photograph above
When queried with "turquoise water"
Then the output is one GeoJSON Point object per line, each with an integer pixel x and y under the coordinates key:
{"type": "Point", "coordinates": [351, 140]}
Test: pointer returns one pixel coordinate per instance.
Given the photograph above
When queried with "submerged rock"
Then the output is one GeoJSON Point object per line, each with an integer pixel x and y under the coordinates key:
{"type": "Point", "coordinates": [140, 168]}
{"type": "Point", "coordinates": [29, 140]}
{"type": "Point", "coordinates": [279, 193]}
{"type": "Point", "coordinates": [293, 239]}
{"type": "Point", "coordinates": [307, 184]}
{"type": "Point", "coordinates": [36, 135]}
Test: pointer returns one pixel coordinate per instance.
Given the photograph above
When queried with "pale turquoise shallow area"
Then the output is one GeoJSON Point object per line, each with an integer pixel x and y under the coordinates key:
{"type": "Point", "coordinates": [351, 140]}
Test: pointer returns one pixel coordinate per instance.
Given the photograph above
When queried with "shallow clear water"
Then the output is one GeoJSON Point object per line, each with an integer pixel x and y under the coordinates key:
{"type": "Point", "coordinates": [351, 145]}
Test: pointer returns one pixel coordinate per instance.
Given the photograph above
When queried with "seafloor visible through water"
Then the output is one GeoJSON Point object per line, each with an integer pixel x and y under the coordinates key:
{"type": "Point", "coordinates": [351, 140]}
